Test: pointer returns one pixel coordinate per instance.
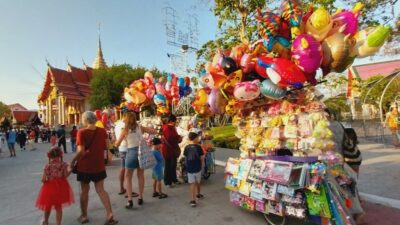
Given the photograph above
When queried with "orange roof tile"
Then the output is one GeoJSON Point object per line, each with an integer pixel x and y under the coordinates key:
{"type": "Point", "coordinates": [24, 116]}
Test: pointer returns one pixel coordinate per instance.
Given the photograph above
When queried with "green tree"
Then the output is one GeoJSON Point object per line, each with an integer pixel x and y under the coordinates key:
{"type": "Point", "coordinates": [373, 87]}
{"type": "Point", "coordinates": [108, 84]}
{"type": "Point", "coordinates": [4, 110]}
{"type": "Point", "coordinates": [237, 24]}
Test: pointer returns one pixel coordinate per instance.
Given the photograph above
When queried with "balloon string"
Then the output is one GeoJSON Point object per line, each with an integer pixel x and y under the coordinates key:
{"type": "Point", "coordinates": [305, 86]}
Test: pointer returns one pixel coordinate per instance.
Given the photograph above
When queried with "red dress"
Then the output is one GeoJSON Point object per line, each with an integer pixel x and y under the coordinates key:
{"type": "Point", "coordinates": [56, 191]}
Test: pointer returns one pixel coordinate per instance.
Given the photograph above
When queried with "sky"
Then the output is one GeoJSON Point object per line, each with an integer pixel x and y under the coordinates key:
{"type": "Point", "coordinates": [132, 31]}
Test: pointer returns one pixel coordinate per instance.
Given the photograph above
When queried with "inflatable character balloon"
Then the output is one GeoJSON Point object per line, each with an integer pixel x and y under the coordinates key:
{"type": "Point", "coordinates": [291, 12]}
{"type": "Point", "coordinates": [370, 40]}
{"type": "Point", "coordinates": [306, 53]}
{"type": "Point", "coordinates": [270, 90]}
{"type": "Point", "coordinates": [346, 21]}
{"type": "Point", "coordinates": [319, 24]}
{"type": "Point", "coordinates": [336, 51]}
{"type": "Point", "coordinates": [232, 80]}
{"type": "Point", "coordinates": [247, 91]}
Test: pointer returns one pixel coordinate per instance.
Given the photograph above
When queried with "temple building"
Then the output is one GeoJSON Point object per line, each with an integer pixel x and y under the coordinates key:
{"type": "Point", "coordinates": [65, 95]}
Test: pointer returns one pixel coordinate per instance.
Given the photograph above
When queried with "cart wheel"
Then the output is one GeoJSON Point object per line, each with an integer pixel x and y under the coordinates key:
{"type": "Point", "coordinates": [268, 220]}
{"type": "Point", "coordinates": [206, 175]}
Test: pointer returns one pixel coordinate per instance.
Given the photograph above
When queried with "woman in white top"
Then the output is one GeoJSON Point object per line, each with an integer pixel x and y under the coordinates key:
{"type": "Point", "coordinates": [130, 137]}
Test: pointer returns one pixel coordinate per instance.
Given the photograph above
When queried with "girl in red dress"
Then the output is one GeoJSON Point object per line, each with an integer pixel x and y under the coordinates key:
{"type": "Point", "coordinates": [56, 191]}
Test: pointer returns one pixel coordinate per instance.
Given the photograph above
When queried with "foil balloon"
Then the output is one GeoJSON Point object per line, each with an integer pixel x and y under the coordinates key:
{"type": "Point", "coordinates": [336, 50]}
{"type": "Point", "coordinates": [214, 80]}
{"type": "Point", "coordinates": [181, 82]}
{"type": "Point", "coordinates": [291, 12]}
{"type": "Point", "coordinates": [238, 52]}
{"type": "Point", "coordinates": [279, 46]}
{"type": "Point", "coordinates": [187, 81]}
{"type": "Point", "coordinates": [268, 24]}
{"type": "Point", "coordinates": [201, 97]}
{"type": "Point", "coordinates": [319, 24]}
{"type": "Point", "coordinates": [346, 21]}
{"type": "Point", "coordinates": [228, 65]}
{"type": "Point", "coordinates": [284, 30]}
{"type": "Point", "coordinates": [159, 99]}
{"type": "Point", "coordinates": [150, 91]}
{"type": "Point", "coordinates": [174, 80]}
{"type": "Point", "coordinates": [253, 76]}
{"type": "Point", "coordinates": [148, 76]}
{"type": "Point", "coordinates": [98, 114]}
{"type": "Point", "coordinates": [99, 124]}
{"type": "Point", "coordinates": [248, 63]}
{"type": "Point", "coordinates": [139, 85]}
{"type": "Point", "coordinates": [104, 119]}
{"type": "Point", "coordinates": [306, 53]}
{"type": "Point", "coordinates": [247, 91]}
{"type": "Point", "coordinates": [263, 62]}
{"type": "Point", "coordinates": [216, 101]}
{"type": "Point", "coordinates": [271, 90]}
{"type": "Point", "coordinates": [233, 106]}
{"type": "Point", "coordinates": [283, 72]}
{"type": "Point", "coordinates": [370, 40]}
{"type": "Point", "coordinates": [232, 80]}
{"type": "Point", "coordinates": [160, 89]}
{"type": "Point", "coordinates": [134, 96]}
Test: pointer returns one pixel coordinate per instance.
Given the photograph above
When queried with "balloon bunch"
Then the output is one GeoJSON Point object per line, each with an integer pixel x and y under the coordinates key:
{"type": "Point", "coordinates": [294, 45]}
{"type": "Point", "coordinates": [105, 118]}
{"type": "Point", "coordinates": [162, 92]}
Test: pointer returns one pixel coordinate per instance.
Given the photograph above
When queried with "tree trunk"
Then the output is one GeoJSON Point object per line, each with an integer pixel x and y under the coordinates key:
{"type": "Point", "coordinates": [243, 22]}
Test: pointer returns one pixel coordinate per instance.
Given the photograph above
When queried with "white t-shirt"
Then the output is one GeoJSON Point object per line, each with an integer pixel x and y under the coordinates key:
{"type": "Point", "coordinates": [119, 126]}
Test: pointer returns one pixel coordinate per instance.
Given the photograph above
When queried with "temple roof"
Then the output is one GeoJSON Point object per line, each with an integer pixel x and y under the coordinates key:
{"type": "Point", "coordinates": [23, 117]}
{"type": "Point", "coordinates": [379, 68]}
{"type": "Point", "coordinates": [99, 61]}
{"type": "Point", "coordinates": [72, 83]}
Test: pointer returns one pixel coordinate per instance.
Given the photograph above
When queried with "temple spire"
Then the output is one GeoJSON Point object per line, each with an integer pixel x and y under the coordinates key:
{"type": "Point", "coordinates": [99, 61]}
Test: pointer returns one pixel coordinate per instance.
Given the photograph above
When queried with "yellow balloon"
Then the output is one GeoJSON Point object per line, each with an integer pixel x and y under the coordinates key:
{"type": "Point", "coordinates": [99, 124]}
{"type": "Point", "coordinates": [319, 24]}
{"type": "Point", "coordinates": [369, 41]}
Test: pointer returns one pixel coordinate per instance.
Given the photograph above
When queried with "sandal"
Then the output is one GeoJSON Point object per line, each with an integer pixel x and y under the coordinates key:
{"type": "Point", "coordinates": [156, 194]}
{"type": "Point", "coordinates": [111, 221]}
{"type": "Point", "coordinates": [129, 205]}
{"type": "Point", "coordinates": [83, 220]}
{"type": "Point", "coordinates": [140, 201]}
{"type": "Point", "coordinates": [162, 195]}
{"type": "Point", "coordinates": [122, 192]}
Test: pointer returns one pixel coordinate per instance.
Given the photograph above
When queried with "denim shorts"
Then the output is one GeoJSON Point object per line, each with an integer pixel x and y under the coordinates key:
{"type": "Point", "coordinates": [122, 155]}
{"type": "Point", "coordinates": [132, 158]}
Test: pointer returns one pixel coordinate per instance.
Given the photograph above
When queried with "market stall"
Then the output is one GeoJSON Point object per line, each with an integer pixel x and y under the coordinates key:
{"type": "Point", "coordinates": [289, 164]}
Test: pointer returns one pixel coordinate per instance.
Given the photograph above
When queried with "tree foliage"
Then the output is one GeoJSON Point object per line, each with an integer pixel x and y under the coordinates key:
{"type": "Point", "coordinates": [108, 84]}
{"type": "Point", "coordinates": [237, 24]}
{"type": "Point", "coordinates": [373, 88]}
{"type": "Point", "coordinates": [4, 110]}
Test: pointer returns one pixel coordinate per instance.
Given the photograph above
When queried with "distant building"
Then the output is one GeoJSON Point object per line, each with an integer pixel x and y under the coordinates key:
{"type": "Point", "coordinates": [65, 93]}
{"type": "Point", "coordinates": [22, 116]}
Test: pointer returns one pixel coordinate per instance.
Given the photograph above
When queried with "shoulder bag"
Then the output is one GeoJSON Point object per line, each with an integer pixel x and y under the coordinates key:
{"type": "Point", "coordinates": [146, 157]}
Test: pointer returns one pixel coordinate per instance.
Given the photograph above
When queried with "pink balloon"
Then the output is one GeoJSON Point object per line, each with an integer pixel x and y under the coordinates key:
{"type": "Point", "coordinates": [307, 53]}
{"type": "Point", "coordinates": [150, 92]}
{"type": "Point", "coordinates": [160, 88]}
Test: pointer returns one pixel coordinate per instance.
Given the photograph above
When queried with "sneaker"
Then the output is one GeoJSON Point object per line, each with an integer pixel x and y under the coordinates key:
{"type": "Point", "coordinates": [200, 196]}
{"type": "Point", "coordinates": [193, 203]}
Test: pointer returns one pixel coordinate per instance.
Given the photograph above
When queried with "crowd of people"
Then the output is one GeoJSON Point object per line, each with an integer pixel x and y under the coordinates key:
{"type": "Point", "coordinates": [89, 165]}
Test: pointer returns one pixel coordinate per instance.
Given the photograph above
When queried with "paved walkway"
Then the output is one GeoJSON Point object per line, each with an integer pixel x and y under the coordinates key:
{"type": "Point", "coordinates": [20, 181]}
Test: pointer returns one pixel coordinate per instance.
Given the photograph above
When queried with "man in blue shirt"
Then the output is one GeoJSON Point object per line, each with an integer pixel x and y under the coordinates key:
{"type": "Point", "coordinates": [11, 139]}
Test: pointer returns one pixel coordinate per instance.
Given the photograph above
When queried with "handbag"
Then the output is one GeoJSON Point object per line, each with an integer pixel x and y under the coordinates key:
{"type": "Point", "coordinates": [75, 168]}
{"type": "Point", "coordinates": [146, 157]}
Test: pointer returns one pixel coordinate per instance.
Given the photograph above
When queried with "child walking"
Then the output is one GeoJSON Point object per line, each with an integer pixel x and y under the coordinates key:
{"type": "Point", "coordinates": [194, 160]}
{"type": "Point", "coordinates": [53, 138]}
{"type": "Point", "coordinates": [158, 174]}
{"type": "Point", "coordinates": [55, 192]}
